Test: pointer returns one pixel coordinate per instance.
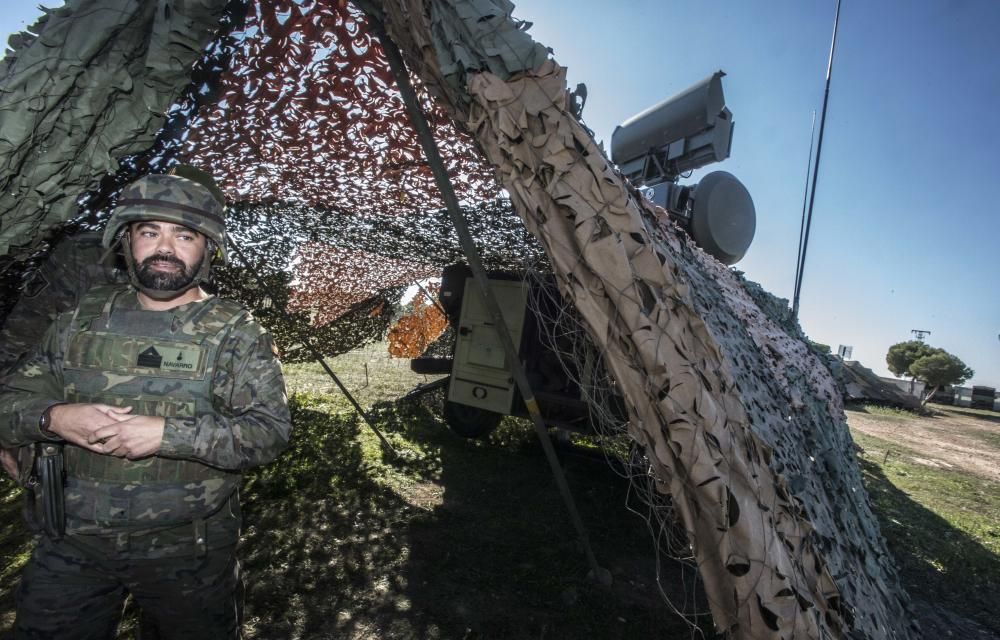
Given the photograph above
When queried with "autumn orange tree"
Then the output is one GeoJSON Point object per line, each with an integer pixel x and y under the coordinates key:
{"type": "Point", "coordinates": [412, 333]}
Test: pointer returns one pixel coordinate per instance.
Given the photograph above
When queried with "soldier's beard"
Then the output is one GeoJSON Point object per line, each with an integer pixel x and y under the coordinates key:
{"type": "Point", "coordinates": [164, 280]}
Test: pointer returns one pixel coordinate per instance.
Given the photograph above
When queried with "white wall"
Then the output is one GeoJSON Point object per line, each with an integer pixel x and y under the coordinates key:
{"type": "Point", "coordinates": [904, 386]}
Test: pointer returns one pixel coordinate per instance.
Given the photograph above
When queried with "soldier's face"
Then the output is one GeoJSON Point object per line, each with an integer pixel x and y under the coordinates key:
{"type": "Point", "coordinates": [167, 255]}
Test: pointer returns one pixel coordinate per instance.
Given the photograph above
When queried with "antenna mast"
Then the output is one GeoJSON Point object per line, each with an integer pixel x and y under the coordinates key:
{"type": "Point", "coordinates": [819, 149]}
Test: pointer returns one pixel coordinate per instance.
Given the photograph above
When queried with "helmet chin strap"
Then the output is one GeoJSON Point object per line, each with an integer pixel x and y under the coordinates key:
{"type": "Point", "coordinates": [204, 270]}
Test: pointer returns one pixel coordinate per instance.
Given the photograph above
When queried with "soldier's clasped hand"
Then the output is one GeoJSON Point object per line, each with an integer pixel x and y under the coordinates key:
{"type": "Point", "coordinates": [76, 422]}
{"type": "Point", "coordinates": [133, 437]}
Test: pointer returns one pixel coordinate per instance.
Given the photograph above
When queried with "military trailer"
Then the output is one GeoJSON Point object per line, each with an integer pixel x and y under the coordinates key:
{"type": "Point", "coordinates": [653, 149]}
{"type": "Point", "coordinates": [481, 387]}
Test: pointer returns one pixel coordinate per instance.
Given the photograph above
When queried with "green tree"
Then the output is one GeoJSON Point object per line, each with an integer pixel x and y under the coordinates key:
{"type": "Point", "coordinates": [903, 354]}
{"type": "Point", "coordinates": [937, 370]}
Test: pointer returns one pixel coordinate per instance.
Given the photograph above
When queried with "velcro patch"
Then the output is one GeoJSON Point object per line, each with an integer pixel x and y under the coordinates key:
{"type": "Point", "coordinates": [131, 356]}
{"type": "Point", "coordinates": [171, 357]}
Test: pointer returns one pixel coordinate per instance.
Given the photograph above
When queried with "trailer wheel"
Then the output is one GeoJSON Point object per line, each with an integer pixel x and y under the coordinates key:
{"type": "Point", "coordinates": [430, 365]}
{"type": "Point", "coordinates": [470, 422]}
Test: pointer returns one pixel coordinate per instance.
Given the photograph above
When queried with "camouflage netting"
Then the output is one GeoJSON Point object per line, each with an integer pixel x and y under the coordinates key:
{"type": "Point", "coordinates": [293, 108]}
{"type": "Point", "coordinates": [90, 87]}
{"type": "Point", "coordinates": [295, 112]}
{"type": "Point", "coordinates": [741, 424]}
{"type": "Point", "coordinates": [860, 384]}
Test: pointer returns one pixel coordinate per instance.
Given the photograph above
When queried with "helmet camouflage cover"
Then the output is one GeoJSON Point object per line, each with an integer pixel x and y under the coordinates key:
{"type": "Point", "coordinates": [186, 196]}
{"type": "Point", "coordinates": [170, 198]}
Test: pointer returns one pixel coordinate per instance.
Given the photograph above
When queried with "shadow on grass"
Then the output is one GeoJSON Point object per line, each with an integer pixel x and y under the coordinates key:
{"type": "Point", "coordinates": [454, 539]}
{"type": "Point", "coordinates": [324, 547]}
{"type": "Point", "coordinates": [15, 546]}
{"type": "Point", "coordinates": [499, 556]}
{"type": "Point", "coordinates": [939, 564]}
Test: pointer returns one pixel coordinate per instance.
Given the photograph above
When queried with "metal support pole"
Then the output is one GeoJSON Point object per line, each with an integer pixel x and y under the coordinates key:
{"type": "Point", "coordinates": [357, 407]}
{"type": "Point", "coordinates": [429, 145]}
{"type": "Point", "coordinates": [322, 362]}
{"type": "Point", "coordinates": [434, 300]}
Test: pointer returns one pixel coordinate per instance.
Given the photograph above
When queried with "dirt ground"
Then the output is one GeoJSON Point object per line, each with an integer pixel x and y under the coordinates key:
{"type": "Point", "coordinates": [952, 438]}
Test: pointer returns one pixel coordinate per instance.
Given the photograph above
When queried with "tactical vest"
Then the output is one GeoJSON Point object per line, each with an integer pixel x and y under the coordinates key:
{"type": "Point", "coordinates": [160, 363]}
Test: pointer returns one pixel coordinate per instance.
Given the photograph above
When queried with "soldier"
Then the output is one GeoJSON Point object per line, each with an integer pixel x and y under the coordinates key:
{"type": "Point", "coordinates": [158, 395]}
{"type": "Point", "coordinates": [75, 264]}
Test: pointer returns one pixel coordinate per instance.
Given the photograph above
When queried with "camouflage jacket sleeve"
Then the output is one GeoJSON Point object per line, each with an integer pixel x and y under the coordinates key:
{"type": "Point", "coordinates": [251, 423]}
{"type": "Point", "coordinates": [34, 386]}
{"type": "Point", "coordinates": [56, 286]}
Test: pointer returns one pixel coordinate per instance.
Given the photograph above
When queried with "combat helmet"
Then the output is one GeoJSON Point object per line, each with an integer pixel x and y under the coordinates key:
{"type": "Point", "coordinates": [185, 196]}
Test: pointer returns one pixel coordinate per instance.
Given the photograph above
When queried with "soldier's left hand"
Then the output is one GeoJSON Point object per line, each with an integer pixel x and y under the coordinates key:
{"type": "Point", "coordinates": [133, 438]}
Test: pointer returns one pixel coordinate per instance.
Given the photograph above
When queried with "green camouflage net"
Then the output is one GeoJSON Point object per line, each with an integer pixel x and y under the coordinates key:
{"type": "Point", "coordinates": [295, 113]}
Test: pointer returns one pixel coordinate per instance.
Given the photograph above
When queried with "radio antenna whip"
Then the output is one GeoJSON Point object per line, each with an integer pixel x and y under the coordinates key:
{"type": "Point", "coordinates": [819, 150]}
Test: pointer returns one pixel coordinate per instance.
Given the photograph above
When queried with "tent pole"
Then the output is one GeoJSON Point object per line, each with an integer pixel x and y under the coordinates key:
{"type": "Point", "coordinates": [429, 146]}
{"type": "Point", "coordinates": [322, 362]}
{"type": "Point", "coordinates": [357, 407]}
{"type": "Point", "coordinates": [433, 300]}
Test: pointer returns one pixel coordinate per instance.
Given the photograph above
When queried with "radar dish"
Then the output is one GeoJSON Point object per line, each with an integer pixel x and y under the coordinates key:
{"type": "Point", "coordinates": [723, 219]}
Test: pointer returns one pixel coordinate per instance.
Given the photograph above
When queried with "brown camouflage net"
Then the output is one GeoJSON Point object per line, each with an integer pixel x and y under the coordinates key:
{"type": "Point", "coordinates": [740, 424]}
{"type": "Point", "coordinates": [308, 113]}
{"type": "Point", "coordinates": [338, 279]}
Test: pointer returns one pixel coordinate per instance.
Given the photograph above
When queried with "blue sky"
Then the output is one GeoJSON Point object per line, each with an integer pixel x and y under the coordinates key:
{"type": "Point", "coordinates": [905, 225]}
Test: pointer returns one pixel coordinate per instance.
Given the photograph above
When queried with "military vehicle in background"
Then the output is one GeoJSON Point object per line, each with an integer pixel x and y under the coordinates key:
{"type": "Point", "coordinates": [653, 150]}
{"type": "Point", "coordinates": [983, 398]}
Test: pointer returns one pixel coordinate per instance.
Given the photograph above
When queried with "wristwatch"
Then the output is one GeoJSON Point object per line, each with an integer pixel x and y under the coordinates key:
{"type": "Point", "coordinates": [45, 422]}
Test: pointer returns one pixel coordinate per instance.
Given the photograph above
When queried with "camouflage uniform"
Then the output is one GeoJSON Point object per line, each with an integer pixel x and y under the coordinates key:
{"type": "Point", "coordinates": [163, 528]}
{"type": "Point", "coordinates": [75, 264]}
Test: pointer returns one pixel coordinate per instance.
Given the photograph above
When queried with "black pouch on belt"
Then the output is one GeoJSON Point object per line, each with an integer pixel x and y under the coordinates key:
{"type": "Point", "coordinates": [50, 503]}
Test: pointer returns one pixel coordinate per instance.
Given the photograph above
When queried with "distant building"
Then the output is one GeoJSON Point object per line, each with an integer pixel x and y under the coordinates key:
{"type": "Point", "coordinates": [904, 386]}
{"type": "Point", "coordinates": [974, 397]}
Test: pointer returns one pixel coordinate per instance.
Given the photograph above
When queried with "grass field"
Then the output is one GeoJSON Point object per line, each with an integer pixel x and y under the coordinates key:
{"type": "Point", "coordinates": [942, 521]}
{"type": "Point", "coordinates": [452, 538]}
{"type": "Point", "coordinates": [455, 538]}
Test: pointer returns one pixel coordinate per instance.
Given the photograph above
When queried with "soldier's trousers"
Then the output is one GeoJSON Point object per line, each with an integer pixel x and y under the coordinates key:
{"type": "Point", "coordinates": [68, 592]}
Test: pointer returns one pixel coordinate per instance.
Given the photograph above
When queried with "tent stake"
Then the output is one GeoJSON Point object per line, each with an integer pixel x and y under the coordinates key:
{"type": "Point", "coordinates": [429, 146]}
